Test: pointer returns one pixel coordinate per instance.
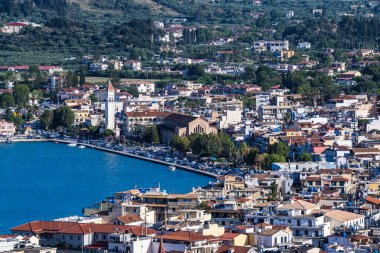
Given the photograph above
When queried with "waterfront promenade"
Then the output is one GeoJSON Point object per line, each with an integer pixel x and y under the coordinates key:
{"type": "Point", "coordinates": [203, 172]}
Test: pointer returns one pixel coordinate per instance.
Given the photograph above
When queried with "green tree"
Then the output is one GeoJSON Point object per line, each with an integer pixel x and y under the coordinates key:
{"type": "Point", "coordinates": [115, 76]}
{"type": "Point", "coordinates": [272, 158]}
{"type": "Point", "coordinates": [71, 78]}
{"type": "Point", "coordinates": [108, 133]}
{"type": "Point", "coordinates": [30, 116]}
{"type": "Point", "coordinates": [251, 157]}
{"type": "Point", "coordinates": [279, 148]}
{"type": "Point", "coordinates": [12, 116]}
{"type": "Point", "coordinates": [46, 119]}
{"type": "Point", "coordinates": [326, 86]}
{"type": "Point", "coordinates": [36, 95]}
{"type": "Point", "coordinates": [82, 74]}
{"type": "Point", "coordinates": [259, 159]}
{"type": "Point", "coordinates": [181, 144]}
{"type": "Point", "coordinates": [310, 94]}
{"type": "Point", "coordinates": [133, 91]}
{"type": "Point", "coordinates": [151, 135]}
{"type": "Point", "coordinates": [21, 94]}
{"type": "Point", "coordinates": [243, 150]}
{"type": "Point", "coordinates": [203, 206]}
{"type": "Point", "coordinates": [63, 117]}
{"type": "Point", "coordinates": [195, 71]}
{"type": "Point", "coordinates": [273, 195]}
{"type": "Point", "coordinates": [305, 157]}
{"type": "Point", "coordinates": [249, 74]}
{"type": "Point", "coordinates": [249, 102]}
{"type": "Point", "coordinates": [6, 100]}
{"type": "Point", "coordinates": [93, 98]}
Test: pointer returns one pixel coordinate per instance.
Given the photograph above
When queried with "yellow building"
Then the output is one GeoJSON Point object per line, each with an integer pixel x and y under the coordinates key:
{"type": "Point", "coordinates": [287, 54]}
{"type": "Point", "coordinates": [80, 116]}
{"type": "Point", "coordinates": [235, 239]}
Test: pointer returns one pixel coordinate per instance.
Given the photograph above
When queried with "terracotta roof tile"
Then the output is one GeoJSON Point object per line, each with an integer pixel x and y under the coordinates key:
{"type": "Point", "coordinates": [236, 249]}
{"type": "Point", "coordinates": [39, 227]}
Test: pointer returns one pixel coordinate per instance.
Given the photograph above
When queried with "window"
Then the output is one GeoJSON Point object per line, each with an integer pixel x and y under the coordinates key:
{"type": "Point", "coordinates": [298, 222]}
{"type": "Point", "coordinates": [310, 223]}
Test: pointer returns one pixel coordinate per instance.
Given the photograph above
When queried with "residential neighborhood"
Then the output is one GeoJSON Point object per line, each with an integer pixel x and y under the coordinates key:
{"type": "Point", "coordinates": [191, 126]}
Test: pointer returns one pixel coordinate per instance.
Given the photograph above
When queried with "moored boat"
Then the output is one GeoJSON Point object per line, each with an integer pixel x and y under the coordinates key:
{"type": "Point", "coordinates": [72, 144]}
{"type": "Point", "coordinates": [172, 168]}
{"type": "Point", "coordinates": [81, 146]}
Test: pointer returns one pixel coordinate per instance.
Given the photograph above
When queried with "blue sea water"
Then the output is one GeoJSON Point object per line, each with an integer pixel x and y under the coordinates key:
{"type": "Point", "coordinates": [46, 180]}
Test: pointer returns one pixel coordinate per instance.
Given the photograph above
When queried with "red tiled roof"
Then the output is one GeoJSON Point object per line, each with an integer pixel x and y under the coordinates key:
{"type": "Point", "coordinates": [110, 87]}
{"type": "Point", "coordinates": [242, 200]}
{"type": "Point", "coordinates": [16, 24]}
{"type": "Point", "coordinates": [342, 179]}
{"type": "Point", "coordinates": [147, 114]}
{"type": "Point", "coordinates": [229, 236]}
{"type": "Point", "coordinates": [236, 249]}
{"type": "Point", "coordinates": [7, 236]}
{"type": "Point", "coordinates": [312, 178]}
{"type": "Point", "coordinates": [129, 218]}
{"type": "Point", "coordinates": [373, 200]}
{"type": "Point", "coordinates": [52, 227]}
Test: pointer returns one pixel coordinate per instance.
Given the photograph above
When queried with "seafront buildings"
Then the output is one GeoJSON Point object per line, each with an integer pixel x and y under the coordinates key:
{"type": "Point", "coordinates": [323, 197]}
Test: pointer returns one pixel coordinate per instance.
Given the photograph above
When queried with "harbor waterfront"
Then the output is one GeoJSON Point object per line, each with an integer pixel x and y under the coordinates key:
{"type": "Point", "coordinates": [43, 180]}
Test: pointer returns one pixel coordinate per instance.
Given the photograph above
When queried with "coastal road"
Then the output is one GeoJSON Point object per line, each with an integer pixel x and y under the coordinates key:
{"type": "Point", "coordinates": [203, 172]}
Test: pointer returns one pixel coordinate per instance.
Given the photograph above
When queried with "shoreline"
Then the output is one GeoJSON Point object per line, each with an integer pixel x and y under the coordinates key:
{"type": "Point", "coordinates": [178, 166]}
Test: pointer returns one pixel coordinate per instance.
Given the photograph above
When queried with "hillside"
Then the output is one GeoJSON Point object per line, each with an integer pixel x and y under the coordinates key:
{"type": "Point", "coordinates": [73, 28]}
{"type": "Point", "coordinates": [125, 8]}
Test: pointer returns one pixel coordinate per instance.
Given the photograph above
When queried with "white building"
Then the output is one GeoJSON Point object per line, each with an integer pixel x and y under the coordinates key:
{"type": "Point", "coordinates": [143, 87]}
{"type": "Point", "coordinates": [338, 218]}
{"type": "Point", "coordinates": [272, 46]}
{"type": "Point", "coordinates": [135, 122]}
{"type": "Point", "coordinates": [274, 238]}
{"type": "Point", "coordinates": [304, 45]}
{"type": "Point", "coordinates": [110, 108]}
{"type": "Point", "coordinates": [229, 118]}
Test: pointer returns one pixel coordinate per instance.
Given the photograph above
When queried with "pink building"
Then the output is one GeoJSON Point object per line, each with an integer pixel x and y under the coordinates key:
{"type": "Point", "coordinates": [7, 128]}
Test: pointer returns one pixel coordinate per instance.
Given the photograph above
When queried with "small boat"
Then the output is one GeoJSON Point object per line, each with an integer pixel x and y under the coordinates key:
{"type": "Point", "coordinates": [72, 144]}
{"type": "Point", "coordinates": [56, 142]}
{"type": "Point", "coordinates": [171, 168]}
{"type": "Point", "coordinates": [81, 146]}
